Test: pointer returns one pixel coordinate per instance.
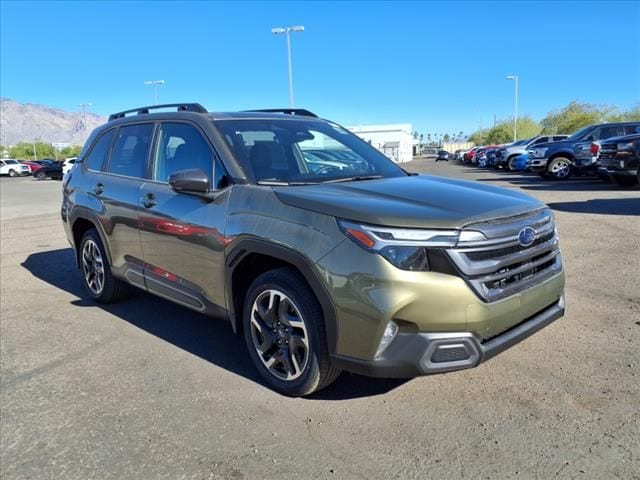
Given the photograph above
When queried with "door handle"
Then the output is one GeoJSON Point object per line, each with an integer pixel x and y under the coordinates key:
{"type": "Point", "coordinates": [98, 189]}
{"type": "Point", "coordinates": [149, 200]}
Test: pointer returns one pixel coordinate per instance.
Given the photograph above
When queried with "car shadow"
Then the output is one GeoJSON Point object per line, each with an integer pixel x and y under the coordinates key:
{"type": "Point", "coordinates": [601, 206]}
{"type": "Point", "coordinates": [211, 340]}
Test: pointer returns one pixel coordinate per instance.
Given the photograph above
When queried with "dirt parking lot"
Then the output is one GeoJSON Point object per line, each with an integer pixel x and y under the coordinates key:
{"type": "Point", "coordinates": [148, 390]}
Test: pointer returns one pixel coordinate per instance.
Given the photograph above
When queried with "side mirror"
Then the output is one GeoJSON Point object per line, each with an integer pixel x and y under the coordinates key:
{"type": "Point", "coordinates": [193, 181]}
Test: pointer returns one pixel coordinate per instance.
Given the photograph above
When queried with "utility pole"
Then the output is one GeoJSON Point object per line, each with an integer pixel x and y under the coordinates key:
{"type": "Point", "coordinates": [287, 31]}
{"type": "Point", "coordinates": [84, 119]}
{"type": "Point", "coordinates": [154, 85]}
{"type": "Point", "coordinates": [35, 154]}
{"type": "Point", "coordinates": [515, 116]}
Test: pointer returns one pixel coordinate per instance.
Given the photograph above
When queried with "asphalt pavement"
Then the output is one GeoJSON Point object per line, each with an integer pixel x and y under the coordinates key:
{"type": "Point", "coordinates": [145, 389]}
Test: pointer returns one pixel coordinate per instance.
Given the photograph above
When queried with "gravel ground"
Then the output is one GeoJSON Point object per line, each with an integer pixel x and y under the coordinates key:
{"type": "Point", "coordinates": [148, 390]}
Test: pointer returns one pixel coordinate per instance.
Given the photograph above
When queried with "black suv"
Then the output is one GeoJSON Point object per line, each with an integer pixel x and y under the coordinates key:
{"type": "Point", "coordinates": [557, 160]}
{"type": "Point", "coordinates": [620, 160]}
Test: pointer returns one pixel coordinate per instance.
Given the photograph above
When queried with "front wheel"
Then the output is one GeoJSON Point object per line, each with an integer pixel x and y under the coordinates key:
{"type": "Point", "coordinates": [284, 331]}
{"type": "Point", "coordinates": [511, 164]}
{"type": "Point", "coordinates": [12, 173]}
{"type": "Point", "coordinates": [559, 168]}
{"type": "Point", "coordinates": [40, 176]}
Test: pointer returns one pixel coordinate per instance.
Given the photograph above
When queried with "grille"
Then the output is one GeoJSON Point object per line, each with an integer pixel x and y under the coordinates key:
{"type": "Point", "coordinates": [498, 266]}
{"type": "Point", "coordinates": [608, 150]}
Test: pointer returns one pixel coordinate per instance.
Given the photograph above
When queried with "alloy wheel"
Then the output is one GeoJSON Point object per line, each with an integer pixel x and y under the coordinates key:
{"type": "Point", "coordinates": [279, 335]}
{"type": "Point", "coordinates": [560, 169]}
{"type": "Point", "coordinates": [93, 267]}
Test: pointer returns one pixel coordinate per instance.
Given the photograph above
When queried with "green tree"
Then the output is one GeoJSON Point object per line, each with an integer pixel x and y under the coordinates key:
{"type": "Point", "coordinates": [24, 151]}
{"type": "Point", "coordinates": [446, 138]}
{"type": "Point", "coordinates": [575, 116]}
{"type": "Point", "coordinates": [72, 151]}
{"type": "Point", "coordinates": [503, 132]}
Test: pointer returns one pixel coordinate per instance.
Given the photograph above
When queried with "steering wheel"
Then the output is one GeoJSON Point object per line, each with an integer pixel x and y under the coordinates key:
{"type": "Point", "coordinates": [326, 169]}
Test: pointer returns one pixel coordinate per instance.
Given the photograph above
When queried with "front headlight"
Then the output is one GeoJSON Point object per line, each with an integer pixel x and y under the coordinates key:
{"type": "Point", "coordinates": [405, 248]}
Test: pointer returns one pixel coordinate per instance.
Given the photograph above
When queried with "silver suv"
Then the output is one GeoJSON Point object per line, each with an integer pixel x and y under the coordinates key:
{"type": "Point", "coordinates": [506, 156]}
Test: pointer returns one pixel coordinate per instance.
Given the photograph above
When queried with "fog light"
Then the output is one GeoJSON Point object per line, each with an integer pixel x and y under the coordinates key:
{"type": "Point", "coordinates": [387, 337]}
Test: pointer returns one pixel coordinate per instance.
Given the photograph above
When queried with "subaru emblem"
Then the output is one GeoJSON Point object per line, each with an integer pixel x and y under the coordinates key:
{"type": "Point", "coordinates": [527, 236]}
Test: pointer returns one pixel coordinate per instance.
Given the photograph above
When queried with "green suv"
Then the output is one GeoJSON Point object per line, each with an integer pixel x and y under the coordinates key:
{"type": "Point", "coordinates": [323, 253]}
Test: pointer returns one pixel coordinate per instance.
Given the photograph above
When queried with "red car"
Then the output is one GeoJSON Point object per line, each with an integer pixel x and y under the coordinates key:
{"type": "Point", "coordinates": [33, 166]}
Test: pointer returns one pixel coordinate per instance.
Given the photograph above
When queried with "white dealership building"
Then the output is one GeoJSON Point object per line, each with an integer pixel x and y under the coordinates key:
{"type": "Point", "coordinates": [394, 140]}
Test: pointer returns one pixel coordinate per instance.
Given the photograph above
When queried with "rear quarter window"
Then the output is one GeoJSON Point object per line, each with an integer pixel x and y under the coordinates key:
{"type": "Point", "coordinates": [98, 155]}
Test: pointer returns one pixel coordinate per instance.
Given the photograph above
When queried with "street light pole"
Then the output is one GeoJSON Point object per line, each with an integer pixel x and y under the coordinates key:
{"type": "Point", "coordinates": [84, 119]}
{"type": "Point", "coordinates": [154, 84]}
{"type": "Point", "coordinates": [515, 116]}
{"type": "Point", "coordinates": [287, 31]}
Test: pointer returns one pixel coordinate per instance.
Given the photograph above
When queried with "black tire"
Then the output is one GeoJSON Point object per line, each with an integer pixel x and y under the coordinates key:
{"type": "Point", "coordinates": [39, 176]}
{"type": "Point", "coordinates": [626, 181]}
{"type": "Point", "coordinates": [559, 168]}
{"type": "Point", "coordinates": [113, 289]}
{"type": "Point", "coordinates": [510, 163]}
{"type": "Point", "coordinates": [12, 173]}
{"type": "Point", "coordinates": [316, 372]}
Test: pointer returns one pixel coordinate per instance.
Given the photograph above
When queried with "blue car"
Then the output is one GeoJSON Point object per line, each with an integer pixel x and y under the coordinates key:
{"type": "Point", "coordinates": [521, 163]}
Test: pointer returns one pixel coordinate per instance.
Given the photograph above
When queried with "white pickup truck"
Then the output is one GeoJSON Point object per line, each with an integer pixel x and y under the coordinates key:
{"type": "Point", "coordinates": [13, 168]}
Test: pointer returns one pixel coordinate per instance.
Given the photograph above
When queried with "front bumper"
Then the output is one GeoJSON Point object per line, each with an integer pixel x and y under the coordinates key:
{"type": "Point", "coordinates": [415, 354]}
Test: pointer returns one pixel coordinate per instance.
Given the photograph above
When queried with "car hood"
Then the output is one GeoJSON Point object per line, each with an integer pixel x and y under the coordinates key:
{"type": "Point", "coordinates": [413, 201]}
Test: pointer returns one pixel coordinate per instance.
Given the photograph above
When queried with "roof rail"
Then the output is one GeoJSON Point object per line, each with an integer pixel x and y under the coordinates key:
{"type": "Point", "coordinates": [290, 111]}
{"type": "Point", "coordinates": [181, 107]}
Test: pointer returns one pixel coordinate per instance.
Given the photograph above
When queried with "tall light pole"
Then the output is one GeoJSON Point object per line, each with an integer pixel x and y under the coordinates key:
{"type": "Point", "coordinates": [515, 116]}
{"type": "Point", "coordinates": [287, 31]}
{"type": "Point", "coordinates": [154, 85]}
{"type": "Point", "coordinates": [84, 118]}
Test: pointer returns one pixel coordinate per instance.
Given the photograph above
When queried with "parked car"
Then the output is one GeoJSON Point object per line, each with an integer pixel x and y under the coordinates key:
{"type": "Point", "coordinates": [520, 163]}
{"type": "Point", "coordinates": [33, 166]}
{"type": "Point", "coordinates": [13, 168]}
{"type": "Point", "coordinates": [468, 157]}
{"type": "Point", "coordinates": [556, 160]}
{"type": "Point", "coordinates": [442, 155]}
{"type": "Point", "coordinates": [50, 169]}
{"type": "Point", "coordinates": [586, 153]}
{"type": "Point", "coordinates": [619, 160]}
{"type": "Point", "coordinates": [507, 154]}
{"type": "Point", "coordinates": [371, 269]}
{"type": "Point", "coordinates": [67, 164]}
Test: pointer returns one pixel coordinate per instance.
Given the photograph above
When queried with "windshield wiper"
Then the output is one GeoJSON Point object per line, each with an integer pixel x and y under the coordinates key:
{"type": "Point", "coordinates": [357, 178]}
{"type": "Point", "coordinates": [282, 183]}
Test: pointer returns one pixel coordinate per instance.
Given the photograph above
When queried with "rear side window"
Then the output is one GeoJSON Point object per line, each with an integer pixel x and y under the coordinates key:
{"type": "Point", "coordinates": [629, 129]}
{"type": "Point", "coordinates": [181, 147]}
{"type": "Point", "coordinates": [608, 131]}
{"type": "Point", "coordinates": [130, 150]}
{"type": "Point", "coordinates": [561, 137]}
{"type": "Point", "coordinates": [98, 155]}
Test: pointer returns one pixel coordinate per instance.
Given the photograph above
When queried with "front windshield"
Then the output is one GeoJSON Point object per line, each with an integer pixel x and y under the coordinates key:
{"type": "Point", "coordinates": [580, 133]}
{"type": "Point", "coordinates": [290, 150]}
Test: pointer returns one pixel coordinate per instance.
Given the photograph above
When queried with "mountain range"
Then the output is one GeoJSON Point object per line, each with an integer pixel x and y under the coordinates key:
{"type": "Point", "coordinates": [26, 122]}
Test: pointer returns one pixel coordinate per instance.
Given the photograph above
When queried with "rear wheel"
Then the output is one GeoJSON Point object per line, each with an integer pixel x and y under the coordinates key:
{"type": "Point", "coordinates": [559, 168]}
{"type": "Point", "coordinates": [284, 332]}
{"type": "Point", "coordinates": [96, 272]}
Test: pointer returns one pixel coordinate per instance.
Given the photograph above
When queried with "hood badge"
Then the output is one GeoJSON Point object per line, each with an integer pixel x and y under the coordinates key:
{"type": "Point", "coordinates": [527, 236]}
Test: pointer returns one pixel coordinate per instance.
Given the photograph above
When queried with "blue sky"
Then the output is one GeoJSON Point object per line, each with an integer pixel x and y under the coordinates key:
{"type": "Point", "coordinates": [439, 66]}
